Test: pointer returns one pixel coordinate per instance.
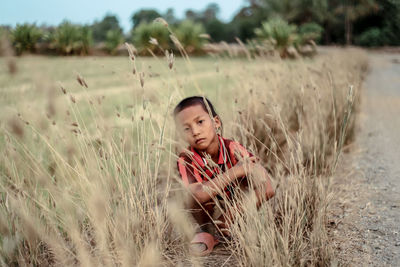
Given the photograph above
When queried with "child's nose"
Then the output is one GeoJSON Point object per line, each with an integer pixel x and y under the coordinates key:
{"type": "Point", "coordinates": [195, 131]}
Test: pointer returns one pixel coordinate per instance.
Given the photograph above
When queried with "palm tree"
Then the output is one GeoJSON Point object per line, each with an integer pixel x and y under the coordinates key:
{"type": "Point", "coordinates": [352, 11]}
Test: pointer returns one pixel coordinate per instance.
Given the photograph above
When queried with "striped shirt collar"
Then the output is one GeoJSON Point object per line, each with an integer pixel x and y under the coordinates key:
{"type": "Point", "coordinates": [202, 161]}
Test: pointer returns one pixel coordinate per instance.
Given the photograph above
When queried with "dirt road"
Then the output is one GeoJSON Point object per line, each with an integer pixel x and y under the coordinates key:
{"type": "Point", "coordinates": [368, 230]}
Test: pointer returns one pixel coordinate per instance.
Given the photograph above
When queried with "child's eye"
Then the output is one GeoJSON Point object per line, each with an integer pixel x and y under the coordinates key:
{"type": "Point", "coordinates": [200, 121]}
{"type": "Point", "coordinates": [186, 129]}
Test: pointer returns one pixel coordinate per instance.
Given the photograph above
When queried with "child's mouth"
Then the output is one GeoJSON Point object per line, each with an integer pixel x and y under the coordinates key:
{"type": "Point", "coordinates": [201, 140]}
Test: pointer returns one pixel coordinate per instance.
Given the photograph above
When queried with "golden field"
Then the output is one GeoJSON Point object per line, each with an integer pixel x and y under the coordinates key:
{"type": "Point", "coordinates": [88, 174]}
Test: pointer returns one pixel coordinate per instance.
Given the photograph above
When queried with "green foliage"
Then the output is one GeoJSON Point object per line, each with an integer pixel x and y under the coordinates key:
{"type": "Point", "coordinates": [287, 39]}
{"type": "Point", "coordinates": [25, 37]}
{"type": "Point", "coordinates": [370, 38]}
{"type": "Point", "coordinates": [279, 31]}
{"type": "Point", "coordinates": [391, 22]}
{"type": "Point", "coordinates": [310, 31]}
{"type": "Point", "coordinates": [145, 31]}
{"type": "Point", "coordinates": [220, 31]}
{"type": "Point", "coordinates": [144, 16]}
{"type": "Point", "coordinates": [113, 39]}
{"type": "Point", "coordinates": [210, 12]}
{"type": "Point", "coordinates": [169, 16]}
{"type": "Point", "coordinates": [188, 33]}
{"type": "Point", "coordinates": [86, 37]}
{"type": "Point", "coordinates": [246, 21]}
{"type": "Point", "coordinates": [288, 10]}
{"type": "Point", "coordinates": [100, 29]}
{"type": "Point", "coordinates": [339, 18]}
{"type": "Point", "coordinates": [72, 39]}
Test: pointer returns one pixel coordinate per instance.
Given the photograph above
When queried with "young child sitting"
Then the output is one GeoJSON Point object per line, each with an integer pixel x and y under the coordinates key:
{"type": "Point", "coordinates": [212, 168]}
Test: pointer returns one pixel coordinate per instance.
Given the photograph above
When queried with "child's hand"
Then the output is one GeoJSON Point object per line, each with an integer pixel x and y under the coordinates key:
{"type": "Point", "coordinates": [243, 167]}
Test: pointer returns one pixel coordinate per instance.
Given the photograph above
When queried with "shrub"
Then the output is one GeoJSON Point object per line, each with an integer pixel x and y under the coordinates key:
{"type": "Point", "coordinates": [145, 31]}
{"type": "Point", "coordinates": [188, 33]}
{"type": "Point", "coordinates": [310, 31]}
{"type": "Point", "coordinates": [25, 37]}
{"type": "Point", "coordinates": [279, 32]}
{"type": "Point", "coordinates": [86, 39]}
{"type": "Point", "coordinates": [370, 38]}
{"type": "Point", "coordinates": [113, 39]}
{"type": "Point", "coordinates": [100, 29]}
{"type": "Point", "coordinates": [72, 39]}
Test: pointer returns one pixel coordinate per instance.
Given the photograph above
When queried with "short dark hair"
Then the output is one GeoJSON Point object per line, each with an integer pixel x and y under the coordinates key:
{"type": "Point", "coordinates": [195, 100]}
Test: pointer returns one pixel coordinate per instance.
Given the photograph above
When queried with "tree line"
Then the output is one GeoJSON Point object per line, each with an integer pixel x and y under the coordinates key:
{"type": "Point", "coordinates": [279, 24]}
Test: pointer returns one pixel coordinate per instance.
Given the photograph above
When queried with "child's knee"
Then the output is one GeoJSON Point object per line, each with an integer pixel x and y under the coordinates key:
{"type": "Point", "coordinates": [269, 192]}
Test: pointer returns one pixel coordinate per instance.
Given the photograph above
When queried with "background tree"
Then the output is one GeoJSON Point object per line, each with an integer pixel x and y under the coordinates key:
{"type": "Point", "coordinates": [72, 39]}
{"type": "Point", "coordinates": [220, 31]}
{"type": "Point", "coordinates": [142, 34]}
{"type": "Point", "coordinates": [24, 38]}
{"type": "Point", "coordinates": [391, 22]}
{"type": "Point", "coordinates": [113, 39]}
{"type": "Point", "coordinates": [144, 16]}
{"type": "Point", "coordinates": [310, 31]}
{"type": "Point", "coordinates": [188, 33]}
{"type": "Point", "coordinates": [108, 23]}
{"type": "Point", "coordinates": [279, 33]}
{"type": "Point", "coordinates": [246, 20]}
{"type": "Point", "coordinates": [353, 10]}
{"type": "Point", "coordinates": [210, 12]}
{"type": "Point", "coordinates": [191, 15]}
{"type": "Point", "coordinates": [169, 16]}
{"type": "Point", "coordinates": [381, 27]}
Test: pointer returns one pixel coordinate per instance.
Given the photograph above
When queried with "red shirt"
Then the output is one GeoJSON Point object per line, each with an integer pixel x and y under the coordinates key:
{"type": "Point", "coordinates": [194, 167]}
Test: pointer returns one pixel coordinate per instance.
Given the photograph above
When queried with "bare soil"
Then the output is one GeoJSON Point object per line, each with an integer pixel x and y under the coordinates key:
{"type": "Point", "coordinates": [365, 219]}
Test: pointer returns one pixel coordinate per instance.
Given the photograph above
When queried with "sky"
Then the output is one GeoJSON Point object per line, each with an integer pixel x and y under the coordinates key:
{"type": "Point", "coordinates": [53, 12]}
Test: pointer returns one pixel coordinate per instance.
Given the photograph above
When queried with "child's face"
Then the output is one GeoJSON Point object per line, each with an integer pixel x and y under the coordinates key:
{"type": "Point", "coordinates": [197, 128]}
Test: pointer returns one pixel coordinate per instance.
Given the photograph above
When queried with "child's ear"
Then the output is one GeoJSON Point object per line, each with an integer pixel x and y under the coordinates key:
{"type": "Point", "coordinates": [217, 123]}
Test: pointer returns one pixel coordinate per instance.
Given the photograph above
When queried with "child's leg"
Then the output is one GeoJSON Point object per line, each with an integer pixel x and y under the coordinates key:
{"type": "Point", "coordinates": [262, 186]}
{"type": "Point", "coordinates": [201, 213]}
{"type": "Point", "coordinates": [203, 242]}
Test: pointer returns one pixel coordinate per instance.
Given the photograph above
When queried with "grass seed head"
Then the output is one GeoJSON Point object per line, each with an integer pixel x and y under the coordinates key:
{"type": "Point", "coordinates": [63, 89]}
{"type": "Point", "coordinates": [153, 41]}
{"type": "Point", "coordinates": [176, 42]}
{"type": "Point", "coordinates": [205, 36]}
{"type": "Point", "coordinates": [16, 127]}
{"type": "Point", "coordinates": [81, 81]}
{"type": "Point", "coordinates": [131, 50]}
{"type": "Point", "coordinates": [141, 76]}
{"type": "Point", "coordinates": [170, 58]}
{"type": "Point", "coordinates": [162, 21]}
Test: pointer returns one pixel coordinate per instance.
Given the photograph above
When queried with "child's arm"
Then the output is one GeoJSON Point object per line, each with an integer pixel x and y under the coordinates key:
{"type": "Point", "coordinates": [204, 191]}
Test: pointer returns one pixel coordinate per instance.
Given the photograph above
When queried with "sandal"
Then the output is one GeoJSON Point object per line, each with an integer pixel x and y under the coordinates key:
{"type": "Point", "coordinates": [223, 228]}
{"type": "Point", "coordinates": [206, 239]}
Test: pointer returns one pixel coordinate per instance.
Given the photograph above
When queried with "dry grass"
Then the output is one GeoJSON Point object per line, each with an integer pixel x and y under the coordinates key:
{"type": "Point", "coordinates": [92, 180]}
